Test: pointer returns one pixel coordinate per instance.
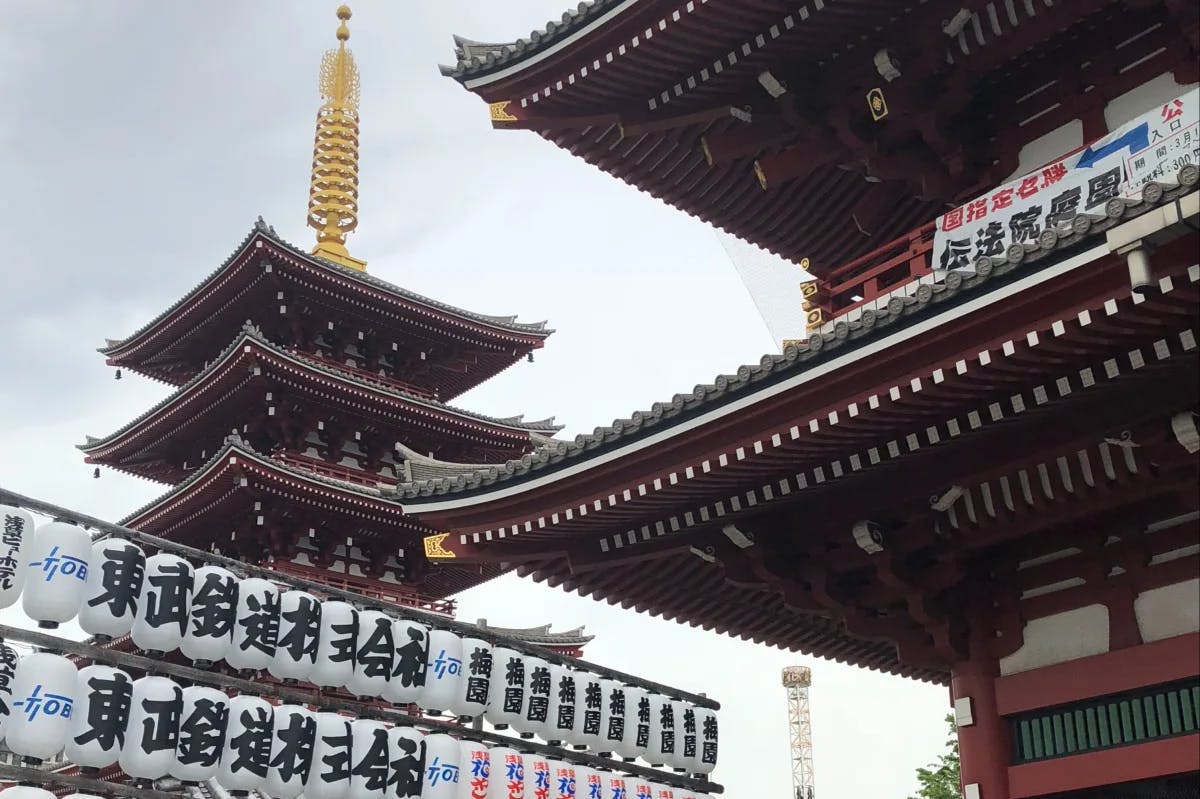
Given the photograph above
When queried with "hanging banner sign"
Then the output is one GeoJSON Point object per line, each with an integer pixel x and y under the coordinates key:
{"type": "Point", "coordinates": [1152, 147]}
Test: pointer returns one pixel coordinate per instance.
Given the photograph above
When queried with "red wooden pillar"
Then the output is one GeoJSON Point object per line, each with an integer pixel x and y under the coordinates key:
{"type": "Point", "coordinates": [984, 742]}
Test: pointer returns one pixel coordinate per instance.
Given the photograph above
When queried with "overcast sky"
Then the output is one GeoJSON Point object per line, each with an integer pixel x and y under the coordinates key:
{"type": "Point", "coordinates": [140, 140]}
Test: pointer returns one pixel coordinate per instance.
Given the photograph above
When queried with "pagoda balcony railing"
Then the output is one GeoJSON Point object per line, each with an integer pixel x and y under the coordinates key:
{"type": "Point", "coordinates": [336, 471]}
{"type": "Point", "coordinates": [368, 587]}
{"type": "Point", "coordinates": [366, 374]}
{"type": "Point", "coordinates": [879, 272]}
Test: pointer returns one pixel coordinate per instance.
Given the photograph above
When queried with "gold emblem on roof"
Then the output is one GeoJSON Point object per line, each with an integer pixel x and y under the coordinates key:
{"type": "Point", "coordinates": [499, 111]}
{"type": "Point", "coordinates": [877, 104]}
{"type": "Point", "coordinates": [434, 549]}
{"type": "Point", "coordinates": [333, 190]}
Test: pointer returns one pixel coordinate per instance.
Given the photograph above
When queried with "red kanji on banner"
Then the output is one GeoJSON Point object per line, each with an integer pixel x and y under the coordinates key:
{"type": "Point", "coordinates": [1028, 187]}
{"type": "Point", "coordinates": [1172, 110]}
{"type": "Point", "coordinates": [1002, 199]}
{"type": "Point", "coordinates": [977, 209]}
{"type": "Point", "coordinates": [1053, 174]}
{"type": "Point", "coordinates": [952, 220]}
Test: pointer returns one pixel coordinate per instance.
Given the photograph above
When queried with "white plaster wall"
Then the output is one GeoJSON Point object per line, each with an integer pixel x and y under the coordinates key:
{"type": "Point", "coordinates": [1049, 147]}
{"type": "Point", "coordinates": [1065, 636]}
{"type": "Point", "coordinates": [1141, 99]}
{"type": "Point", "coordinates": [1168, 611]}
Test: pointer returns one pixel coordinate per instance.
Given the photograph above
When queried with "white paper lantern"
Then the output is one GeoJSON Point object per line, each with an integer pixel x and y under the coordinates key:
{"type": "Point", "coordinates": [535, 706]}
{"type": "Point", "coordinates": [339, 641]}
{"type": "Point", "coordinates": [8, 673]}
{"type": "Point", "coordinates": [293, 733]}
{"type": "Point", "coordinates": [406, 771]}
{"type": "Point", "coordinates": [407, 682]}
{"type": "Point", "coordinates": [507, 774]}
{"type": "Point", "coordinates": [563, 719]}
{"type": "Point", "coordinates": [212, 613]}
{"type": "Point", "coordinates": [676, 759]}
{"type": "Point", "coordinates": [153, 729]}
{"type": "Point", "coordinates": [256, 631]}
{"type": "Point", "coordinates": [537, 776]}
{"type": "Point", "coordinates": [103, 698]}
{"type": "Point", "coordinates": [589, 783]}
{"type": "Point", "coordinates": [16, 539]}
{"type": "Point", "coordinates": [443, 767]}
{"type": "Point", "coordinates": [476, 770]}
{"type": "Point", "coordinates": [663, 730]}
{"type": "Point", "coordinates": [374, 656]}
{"type": "Point", "coordinates": [472, 698]}
{"type": "Point", "coordinates": [332, 758]}
{"type": "Point", "coordinates": [57, 573]}
{"type": "Point", "coordinates": [299, 636]}
{"type": "Point", "coordinates": [612, 715]}
{"type": "Point", "coordinates": [82, 796]}
{"type": "Point", "coordinates": [640, 788]}
{"type": "Point", "coordinates": [26, 792]}
{"type": "Point", "coordinates": [506, 694]}
{"type": "Point", "coordinates": [689, 739]}
{"type": "Point", "coordinates": [562, 781]}
{"type": "Point", "coordinates": [444, 672]}
{"type": "Point", "coordinates": [590, 694]}
{"type": "Point", "coordinates": [369, 770]}
{"type": "Point", "coordinates": [247, 751]}
{"type": "Point", "coordinates": [43, 702]}
{"type": "Point", "coordinates": [115, 577]}
{"type": "Point", "coordinates": [202, 724]}
{"type": "Point", "coordinates": [708, 732]}
{"type": "Point", "coordinates": [616, 786]}
{"type": "Point", "coordinates": [162, 607]}
{"type": "Point", "coordinates": [637, 724]}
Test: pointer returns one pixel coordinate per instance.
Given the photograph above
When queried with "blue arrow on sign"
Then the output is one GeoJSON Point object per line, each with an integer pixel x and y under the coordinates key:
{"type": "Point", "coordinates": [1135, 139]}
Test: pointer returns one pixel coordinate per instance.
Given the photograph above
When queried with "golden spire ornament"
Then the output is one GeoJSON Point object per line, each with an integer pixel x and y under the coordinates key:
{"type": "Point", "coordinates": [333, 191]}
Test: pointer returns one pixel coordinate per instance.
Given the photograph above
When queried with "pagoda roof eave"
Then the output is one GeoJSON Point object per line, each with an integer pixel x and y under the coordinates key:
{"type": "Point", "coordinates": [896, 319]}
{"type": "Point", "coordinates": [251, 343]}
{"type": "Point", "coordinates": [544, 636]}
{"type": "Point", "coordinates": [262, 234]}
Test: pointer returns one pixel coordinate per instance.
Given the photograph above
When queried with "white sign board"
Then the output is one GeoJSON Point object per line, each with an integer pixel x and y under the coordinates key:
{"type": "Point", "coordinates": [1154, 146]}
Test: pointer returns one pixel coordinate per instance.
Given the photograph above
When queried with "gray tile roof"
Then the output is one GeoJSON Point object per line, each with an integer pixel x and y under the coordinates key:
{"type": "Point", "coordinates": [899, 311]}
{"type": "Point", "coordinates": [474, 57]}
{"type": "Point", "coordinates": [250, 332]}
{"type": "Point", "coordinates": [261, 228]}
{"type": "Point", "coordinates": [544, 636]}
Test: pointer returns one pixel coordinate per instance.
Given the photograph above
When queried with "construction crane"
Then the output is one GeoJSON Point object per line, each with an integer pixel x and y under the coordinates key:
{"type": "Point", "coordinates": [797, 680]}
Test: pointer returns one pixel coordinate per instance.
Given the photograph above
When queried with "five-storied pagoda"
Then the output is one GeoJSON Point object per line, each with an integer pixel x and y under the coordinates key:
{"type": "Point", "coordinates": [309, 390]}
{"type": "Point", "coordinates": [979, 464]}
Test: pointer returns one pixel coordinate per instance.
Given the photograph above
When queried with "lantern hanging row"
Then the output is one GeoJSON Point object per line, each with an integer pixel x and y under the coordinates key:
{"type": "Point", "coordinates": [153, 728]}
{"type": "Point", "coordinates": [209, 615]}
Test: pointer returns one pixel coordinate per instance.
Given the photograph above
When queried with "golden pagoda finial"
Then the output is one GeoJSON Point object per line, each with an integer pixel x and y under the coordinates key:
{"type": "Point", "coordinates": [333, 191]}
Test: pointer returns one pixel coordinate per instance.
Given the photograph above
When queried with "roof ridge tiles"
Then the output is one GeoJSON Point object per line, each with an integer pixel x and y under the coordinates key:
{"type": "Point", "coordinates": [850, 330]}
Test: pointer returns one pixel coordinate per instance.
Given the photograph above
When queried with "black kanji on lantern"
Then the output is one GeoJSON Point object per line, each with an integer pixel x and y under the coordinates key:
{"type": "Point", "coordinates": [479, 669]}
{"type": "Point", "coordinates": [1103, 187]}
{"type": "Point", "coordinates": [303, 636]}
{"type": "Point", "coordinates": [343, 639]}
{"type": "Point", "coordinates": [708, 752]}
{"type": "Point", "coordinates": [261, 622]}
{"type": "Point", "coordinates": [375, 655]}
{"type": "Point", "coordinates": [689, 732]}
{"type": "Point", "coordinates": [643, 727]}
{"type": "Point", "coordinates": [514, 676]}
{"type": "Point", "coordinates": [410, 661]}
{"type": "Point", "coordinates": [337, 760]}
{"type": "Point", "coordinates": [372, 765]}
{"type": "Point", "coordinates": [406, 770]}
{"type": "Point", "coordinates": [202, 733]}
{"type": "Point", "coordinates": [566, 702]}
{"type": "Point", "coordinates": [160, 728]}
{"type": "Point", "coordinates": [168, 604]}
{"type": "Point", "coordinates": [108, 710]}
{"type": "Point", "coordinates": [593, 700]}
{"type": "Point", "coordinates": [252, 747]}
{"type": "Point", "coordinates": [295, 747]}
{"type": "Point", "coordinates": [121, 577]}
{"type": "Point", "coordinates": [214, 606]}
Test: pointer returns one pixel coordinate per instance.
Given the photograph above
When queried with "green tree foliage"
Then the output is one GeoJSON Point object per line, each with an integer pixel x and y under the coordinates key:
{"type": "Point", "coordinates": [940, 780]}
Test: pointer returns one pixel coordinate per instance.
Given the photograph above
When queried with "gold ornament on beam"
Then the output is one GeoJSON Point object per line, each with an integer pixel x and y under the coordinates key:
{"type": "Point", "coordinates": [333, 190]}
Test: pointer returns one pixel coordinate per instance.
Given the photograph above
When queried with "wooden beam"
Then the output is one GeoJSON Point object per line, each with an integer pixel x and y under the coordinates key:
{"type": "Point", "coordinates": [638, 127]}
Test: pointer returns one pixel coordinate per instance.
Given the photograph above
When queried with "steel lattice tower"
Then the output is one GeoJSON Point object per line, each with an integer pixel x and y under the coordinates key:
{"type": "Point", "coordinates": [797, 679]}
